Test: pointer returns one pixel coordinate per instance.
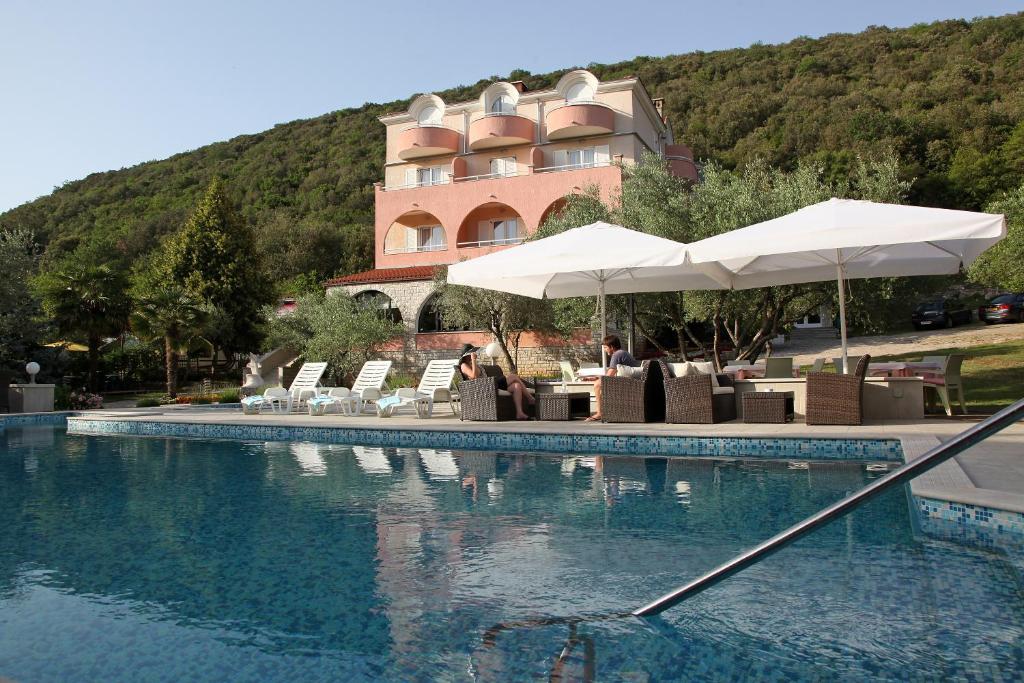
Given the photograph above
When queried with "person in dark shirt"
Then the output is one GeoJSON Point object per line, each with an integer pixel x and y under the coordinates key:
{"type": "Point", "coordinates": [511, 383]}
{"type": "Point", "coordinates": [620, 362]}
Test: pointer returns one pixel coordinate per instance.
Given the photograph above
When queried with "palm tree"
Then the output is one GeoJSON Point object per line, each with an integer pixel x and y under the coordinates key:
{"type": "Point", "coordinates": [86, 301]}
{"type": "Point", "coordinates": [171, 313]}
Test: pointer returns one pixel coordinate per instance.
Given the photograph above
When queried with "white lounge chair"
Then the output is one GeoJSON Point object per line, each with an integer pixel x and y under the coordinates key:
{"type": "Point", "coordinates": [275, 398]}
{"type": "Point", "coordinates": [305, 385]}
{"type": "Point", "coordinates": [370, 385]}
{"type": "Point", "coordinates": [435, 386]}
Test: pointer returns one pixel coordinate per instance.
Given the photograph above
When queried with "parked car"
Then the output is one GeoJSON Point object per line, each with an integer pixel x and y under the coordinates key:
{"type": "Point", "coordinates": [1005, 308]}
{"type": "Point", "coordinates": [940, 313]}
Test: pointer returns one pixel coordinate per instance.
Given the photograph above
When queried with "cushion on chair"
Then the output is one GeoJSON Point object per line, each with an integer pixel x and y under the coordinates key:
{"type": "Point", "coordinates": [716, 391]}
{"type": "Point", "coordinates": [701, 368]}
{"type": "Point", "coordinates": [934, 379]}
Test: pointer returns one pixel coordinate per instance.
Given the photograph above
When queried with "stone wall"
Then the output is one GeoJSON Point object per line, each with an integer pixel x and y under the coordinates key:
{"type": "Point", "coordinates": [413, 350]}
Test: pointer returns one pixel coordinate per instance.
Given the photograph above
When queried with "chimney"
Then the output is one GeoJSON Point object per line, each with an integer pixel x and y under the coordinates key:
{"type": "Point", "coordinates": [659, 105]}
{"type": "Point", "coordinates": [519, 85]}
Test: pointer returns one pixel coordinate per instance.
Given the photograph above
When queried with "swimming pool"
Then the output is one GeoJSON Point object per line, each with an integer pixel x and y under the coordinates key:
{"type": "Point", "coordinates": [176, 559]}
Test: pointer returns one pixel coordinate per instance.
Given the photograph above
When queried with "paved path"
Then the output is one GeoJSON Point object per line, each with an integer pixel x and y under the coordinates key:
{"type": "Point", "coordinates": [804, 351]}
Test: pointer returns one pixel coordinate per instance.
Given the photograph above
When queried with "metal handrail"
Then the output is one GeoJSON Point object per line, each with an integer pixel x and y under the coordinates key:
{"type": "Point", "coordinates": [935, 456]}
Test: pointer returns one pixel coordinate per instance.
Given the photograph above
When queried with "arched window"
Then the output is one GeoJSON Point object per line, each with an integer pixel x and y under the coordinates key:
{"type": "Point", "coordinates": [429, 116]}
{"type": "Point", "coordinates": [579, 92]}
{"type": "Point", "coordinates": [502, 104]}
{"type": "Point", "coordinates": [381, 302]}
{"type": "Point", "coordinates": [430, 319]}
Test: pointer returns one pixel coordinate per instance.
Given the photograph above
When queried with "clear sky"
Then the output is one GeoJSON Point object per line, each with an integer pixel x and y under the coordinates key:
{"type": "Point", "coordinates": [99, 85]}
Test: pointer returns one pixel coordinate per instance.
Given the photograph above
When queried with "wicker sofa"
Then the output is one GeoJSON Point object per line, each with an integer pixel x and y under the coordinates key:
{"type": "Point", "coordinates": [482, 400]}
{"type": "Point", "coordinates": [694, 399]}
{"type": "Point", "coordinates": [639, 398]}
{"type": "Point", "coordinates": [835, 399]}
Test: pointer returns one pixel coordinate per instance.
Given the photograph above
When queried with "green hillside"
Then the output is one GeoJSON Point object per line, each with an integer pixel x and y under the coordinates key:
{"type": "Point", "coordinates": [948, 97]}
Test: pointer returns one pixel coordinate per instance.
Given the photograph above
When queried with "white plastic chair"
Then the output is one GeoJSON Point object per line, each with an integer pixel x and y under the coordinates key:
{"type": "Point", "coordinates": [370, 385]}
{"type": "Point", "coordinates": [305, 385]}
{"type": "Point", "coordinates": [276, 398]}
{"type": "Point", "coordinates": [333, 396]}
{"type": "Point", "coordinates": [435, 386]}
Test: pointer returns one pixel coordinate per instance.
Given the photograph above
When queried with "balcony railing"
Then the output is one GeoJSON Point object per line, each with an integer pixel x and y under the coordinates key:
{"type": "Point", "coordinates": [491, 243]}
{"type": "Point", "coordinates": [416, 250]}
{"type": "Point", "coordinates": [572, 167]}
{"type": "Point", "coordinates": [494, 176]}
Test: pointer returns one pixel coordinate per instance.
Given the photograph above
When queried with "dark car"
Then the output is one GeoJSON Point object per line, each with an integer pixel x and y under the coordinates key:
{"type": "Point", "coordinates": [1005, 308]}
{"type": "Point", "coordinates": [940, 313]}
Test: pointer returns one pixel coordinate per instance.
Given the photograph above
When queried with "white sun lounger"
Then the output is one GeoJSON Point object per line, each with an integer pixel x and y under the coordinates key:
{"type": "Point", "coordinates": [435, 386]}
{"type": "Point", "coordinates": [370, 385]}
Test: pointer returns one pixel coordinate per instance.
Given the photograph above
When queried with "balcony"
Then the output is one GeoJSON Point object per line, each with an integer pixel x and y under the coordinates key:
{"type": "Point", "coordinates": [500, 130]}
{"type": "Point", "coordinates": [580, 120]}
{"type": "Point", "coordinates": [426, 141]}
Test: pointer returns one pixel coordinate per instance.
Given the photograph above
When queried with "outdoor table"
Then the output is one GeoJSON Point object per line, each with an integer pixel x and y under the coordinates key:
{"type": "Point", "coordinates": [903, 368]}
{"type": "Point", "coordinates": [563, 406]}
{"type": "Point", "coordinates": [774, 407]}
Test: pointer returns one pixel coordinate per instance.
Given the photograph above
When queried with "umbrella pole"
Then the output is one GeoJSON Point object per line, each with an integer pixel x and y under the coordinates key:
{"type": "Point", "coordinates": [604, 324]}
{"type": "Point", "coordinates": [842, 315]}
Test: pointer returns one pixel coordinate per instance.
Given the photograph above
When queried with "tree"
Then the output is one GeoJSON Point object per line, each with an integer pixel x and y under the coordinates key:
{"type": "Point", "coordinates": [19, 307]}
{"type": "Point", "coordinates": [85, 301]}
{"type": "Point", "coordinates": [170, 313]}
{"type": "Point", "coordinates": [1002, 265]}
{"type": "Point", "coordinates": [214, 256]}
{"type": "Point", "coordinates": [334, 328]}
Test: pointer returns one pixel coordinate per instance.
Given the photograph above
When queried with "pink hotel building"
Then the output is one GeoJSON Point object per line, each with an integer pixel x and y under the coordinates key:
{"type": "Point", "coordinates": [462, 180]}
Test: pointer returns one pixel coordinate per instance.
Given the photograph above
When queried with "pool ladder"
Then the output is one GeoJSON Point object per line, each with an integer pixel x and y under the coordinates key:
{"type": "Point", "coordinates": [936, 456]}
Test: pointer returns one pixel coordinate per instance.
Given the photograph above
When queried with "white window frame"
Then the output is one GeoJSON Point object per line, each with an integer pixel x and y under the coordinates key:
{"type": "Point", "coordinates": [430, 175]}
{"type": "Point", "coordinates": [429, 238]}
{"type": "Point", "coordinates": [502, 167]}
{"type": "Point", "coordinates": [429, 116]}
{"type": "Point", "coordinates": [504, 105]}
{"type": "Point", "coordinates": [580, 91]}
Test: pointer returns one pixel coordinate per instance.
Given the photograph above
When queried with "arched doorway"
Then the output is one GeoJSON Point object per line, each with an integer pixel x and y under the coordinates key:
{"type": "Point", "coordinates": [379, 301]}
{"type": "Point", "coordinates": [430, 320]}
{"type": "Point", "coordinates": [492, 224]}
{"type": "Point", "coordinates": [554, 209]}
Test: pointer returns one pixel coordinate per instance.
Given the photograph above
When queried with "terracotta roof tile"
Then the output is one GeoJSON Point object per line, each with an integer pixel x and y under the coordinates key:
{"type": "Point", "coordinates": [385, 275]}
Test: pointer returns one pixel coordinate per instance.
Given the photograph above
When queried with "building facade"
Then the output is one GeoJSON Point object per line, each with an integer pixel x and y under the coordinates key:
{"type": "Point", "coordinates": [465, 179]}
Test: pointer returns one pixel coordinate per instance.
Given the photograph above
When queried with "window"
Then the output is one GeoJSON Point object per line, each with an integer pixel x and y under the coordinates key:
{"type": "Point", "coordinates": [429, 238]}
{"type": "Point", "coordinates": [498, 231]}
{"type": "Point", "coordinates": [505, 166]}
{"type": "Point", "coordinates": [579, 92]}
{"type": "Point", "coordinates": [502, 104]}
{"type": "Point", "coordinates": [584, 157]}
{"type": "Point", "coordinates": [506, 230]}
{"type": "Point", "coordinates": [429, 116]}
{"type": "Point", "coordinates": [431, 175]}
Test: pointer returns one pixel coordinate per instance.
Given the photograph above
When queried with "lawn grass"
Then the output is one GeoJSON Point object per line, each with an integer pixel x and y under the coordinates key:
{"type": "Point", "coordinates": [993, 374]}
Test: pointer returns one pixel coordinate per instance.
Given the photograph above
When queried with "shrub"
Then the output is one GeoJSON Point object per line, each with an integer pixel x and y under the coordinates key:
{"type": "Point", "coordinates": [181, 400]}
{"type": "Point", "coordinates": [147, 403]}
{"type": "Point", "coordinates": [230, 396]}
{"type": "Point", "coordinates": [83, 400]}
{"type": "Point", "coordinates": [202, 400]}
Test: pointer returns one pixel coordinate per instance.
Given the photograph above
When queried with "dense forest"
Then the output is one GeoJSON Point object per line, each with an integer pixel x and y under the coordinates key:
{"type": "Point", "coordinates": [948, 97]}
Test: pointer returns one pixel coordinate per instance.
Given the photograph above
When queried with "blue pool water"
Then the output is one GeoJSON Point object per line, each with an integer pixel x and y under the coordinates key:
{"type": "Point", "coordinates": [168, 560]}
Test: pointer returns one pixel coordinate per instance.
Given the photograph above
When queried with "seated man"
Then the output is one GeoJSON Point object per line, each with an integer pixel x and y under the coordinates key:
{"type": "Point", "coordinates": [620, 362]}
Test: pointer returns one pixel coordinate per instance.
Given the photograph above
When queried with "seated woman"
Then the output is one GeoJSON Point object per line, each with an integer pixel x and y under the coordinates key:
{"type": "Point", "coordinates": [511, 382]}
{"type": "Point", "coordinates": [620, 362]}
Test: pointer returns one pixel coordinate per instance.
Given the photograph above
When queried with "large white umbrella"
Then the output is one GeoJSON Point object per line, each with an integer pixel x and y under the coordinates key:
{"type": "Point", "coordinates": [846, 238]}
{"type": "Point", "coordinates": [596, 259]}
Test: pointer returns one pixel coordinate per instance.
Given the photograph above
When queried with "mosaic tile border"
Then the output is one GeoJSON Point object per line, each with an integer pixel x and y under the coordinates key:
{"type": "Point", "coordinates": [770, 448]}
{"type": "Point", "coordinates": [21, 420]}
{"type": "Point", "coordinates": [974, 525]}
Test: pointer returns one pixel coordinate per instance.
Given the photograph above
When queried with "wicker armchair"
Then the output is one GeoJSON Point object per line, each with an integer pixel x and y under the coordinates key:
{"type": "Point", "coordinates": [482, 401]}
{"type": "Point", "coordinates": [692, 399]}
{"type": "Point", "coordinates": [834, 398]}
{"type": "Point", "coordinates": [640, 398]}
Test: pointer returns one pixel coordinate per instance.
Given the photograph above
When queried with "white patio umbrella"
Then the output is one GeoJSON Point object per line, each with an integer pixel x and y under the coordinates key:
{"type": "Point", "coordinates": [846, 238]}
{"type": "Point", "coordinates": [596, 259]}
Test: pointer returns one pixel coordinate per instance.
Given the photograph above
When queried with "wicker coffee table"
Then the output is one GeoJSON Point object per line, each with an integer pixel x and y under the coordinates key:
{"type": "Point", "coordinates": [563, 406]}
{"type": "Point", "coordinates": [768, 407]}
